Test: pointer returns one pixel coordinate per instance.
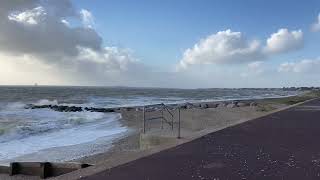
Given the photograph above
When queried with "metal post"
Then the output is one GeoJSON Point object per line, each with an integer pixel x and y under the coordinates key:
{"type": "Point", "coordinates": [144, 120]}
{"type": "Point", "coordinates": [162, 118]}
{"type": "Point", "coordinates": [14, 168]}
{"type": "Point", "coordinates": [172, 123]}
{"type": "Point", "coordinates": [179, 124]}
{"type": "Point", "coordinates": [45, 170]}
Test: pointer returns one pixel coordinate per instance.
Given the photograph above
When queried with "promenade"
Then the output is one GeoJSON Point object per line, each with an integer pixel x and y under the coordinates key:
{"type": "Point", "coordinates": [283, 145]}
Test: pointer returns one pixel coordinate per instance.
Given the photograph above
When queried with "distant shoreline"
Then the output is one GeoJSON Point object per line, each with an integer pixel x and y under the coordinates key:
{"type": "Point", "coordinates": [132, 87]}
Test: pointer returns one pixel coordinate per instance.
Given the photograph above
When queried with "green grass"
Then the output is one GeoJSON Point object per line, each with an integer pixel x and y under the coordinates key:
{"type": "Point", "coordinates": [265, 108]}
{"type": "Point", "coordinates": [297, 99]}
{"type": "Point", "coordinates": [272, 104]}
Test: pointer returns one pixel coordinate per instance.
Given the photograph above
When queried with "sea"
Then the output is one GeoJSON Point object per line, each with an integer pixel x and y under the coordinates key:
{"type": "Point", "coordinates": [28, 134]}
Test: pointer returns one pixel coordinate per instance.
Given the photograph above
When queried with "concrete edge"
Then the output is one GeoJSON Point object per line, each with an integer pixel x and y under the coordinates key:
{"type": "Point", "coordinates": [104, 166]}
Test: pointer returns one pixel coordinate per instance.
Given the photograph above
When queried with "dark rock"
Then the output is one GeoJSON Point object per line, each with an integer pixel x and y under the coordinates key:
{"type": "Point", "coordinates": [243, 104]}
{"type": "Point", "coordinates": [73, 109]}
{"type": "Point", "coordinates": [223, 104]}
{"type": "Point", "coordinates": [253, 104]}
{"type": "Point", "coordinates": [110, 110]}
{"type": "Point", "coordinates": [204, 106]}
{"type": "Point", "coordinates": [232, 105]}
{"type": "Point", "coordinates": [129, 108]}
{"type": "Point", "coordinates": [70, 108]}
{"type": "Point", "coordinates": [213, 105]}
{"type": "Point", "coordinates": [189, 105]}
{"type": "Point", "coordinates": [183, 106]}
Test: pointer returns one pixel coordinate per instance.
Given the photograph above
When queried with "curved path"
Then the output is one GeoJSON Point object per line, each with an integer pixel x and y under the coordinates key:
{"type": "Point", "coordinates": [284, 145]}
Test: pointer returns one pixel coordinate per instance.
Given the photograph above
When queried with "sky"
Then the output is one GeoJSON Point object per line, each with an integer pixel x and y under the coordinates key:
{"type": "Point", "coordinates": [153, 43]}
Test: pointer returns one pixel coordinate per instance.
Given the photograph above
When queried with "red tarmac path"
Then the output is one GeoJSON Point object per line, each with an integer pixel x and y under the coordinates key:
{"type": "Point", "coordinates": [284, 145]}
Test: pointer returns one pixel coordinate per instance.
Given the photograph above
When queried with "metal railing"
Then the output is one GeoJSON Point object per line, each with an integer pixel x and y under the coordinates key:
{"type": "Point", "coordinates": [170, 122]}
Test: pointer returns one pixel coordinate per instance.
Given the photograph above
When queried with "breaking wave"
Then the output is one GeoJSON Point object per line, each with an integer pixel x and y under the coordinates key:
{"type": "Point", "coordinates": [16, 122]}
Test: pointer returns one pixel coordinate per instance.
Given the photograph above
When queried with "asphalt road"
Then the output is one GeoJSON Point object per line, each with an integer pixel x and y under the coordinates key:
{"type": "Point", "coordinates": [284, 145]}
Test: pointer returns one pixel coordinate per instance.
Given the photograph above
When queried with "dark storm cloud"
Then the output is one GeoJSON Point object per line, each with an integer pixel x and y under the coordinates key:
{"type": "Point", "coordinates": [35, 28]}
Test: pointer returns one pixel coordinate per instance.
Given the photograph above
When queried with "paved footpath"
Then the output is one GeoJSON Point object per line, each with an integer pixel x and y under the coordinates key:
{"type": "Point", "coordinates": [284, 145]}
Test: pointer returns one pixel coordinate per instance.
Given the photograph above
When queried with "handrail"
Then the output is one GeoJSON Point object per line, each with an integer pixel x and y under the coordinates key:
{"type": "Point", "coordinates": [166, 108]}
{"type": "Point", "coordinates": [164, 119]}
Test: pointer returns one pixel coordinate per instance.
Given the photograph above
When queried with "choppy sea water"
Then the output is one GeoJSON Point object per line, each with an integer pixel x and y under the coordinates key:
{"type": "Point", "coordinates": [25, 131]}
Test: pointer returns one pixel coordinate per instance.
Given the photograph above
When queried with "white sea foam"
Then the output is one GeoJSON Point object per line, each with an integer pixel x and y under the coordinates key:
{"type": "Point", "coordinates": [24, 131]}
{"type": "Point", "coordinates": [20, 122]}
{"type": "Point", "coordinates": [108, 129]}
{"type": "Point", "coordinates": [42, 102]}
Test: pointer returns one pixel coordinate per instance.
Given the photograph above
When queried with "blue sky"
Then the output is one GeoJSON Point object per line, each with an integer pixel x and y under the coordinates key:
{"type": "Point", "coordinates": [159, 31]}
{"type": "Point", "coordinates": [167, 43]}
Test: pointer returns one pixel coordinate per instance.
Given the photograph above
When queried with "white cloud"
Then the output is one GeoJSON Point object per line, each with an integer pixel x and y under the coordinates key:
{"type": "Point", "coordinates": [26, 70]}
{"type": "Point", "coordinates": [254, 69]}
{"type": "Point", "coordinates": [87, 18]}
{"type": "Point", "coordinates": [40, 30]}
{"type": "Point", "coordinates": [228, 47]}
{"type": "Point", "coordinates": [65, 22]}
{"type": "Point", "coordinates": [31, 17]}
{"type": "Point", "coordinates": [310, 66]}
{"type": "Point", "coordinates": [222, 47]}
{"type": "Point", "coordinates": [111, 58]}
{"type": "Point", "coordinates": [284, 41]}
{"type": "Point", "coordinates": [287, 67]}
{"type": "Point", "coordinates": [316, 26]}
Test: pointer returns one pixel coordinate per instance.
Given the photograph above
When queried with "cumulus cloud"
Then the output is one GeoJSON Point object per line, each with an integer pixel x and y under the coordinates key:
{"type": "Point", "coordinates": [65, 22]}
{"type": "Point", "coordinates": [284, 41]}
{"type": "Point", "coordinates": [87, 18]}
{"type": "Point", "coordinates": [256, 67]}
{"type": "Point", "coordinates": [228, 47]}
{"type": "Point", "coordinates": [42, 30]}
{"type": "Point", "coordinates": [38, 31]}
{"type": "Point", "coordinates": [222, 47]}
{"type": "Point", "coordinates": [304, 66]}
{"type": "Point", "coordinates": [110, 58]}
{"type": "Point", "coordinates": [253, 69]}
{"type": "Point", "coordinates": [315, 27]}
{"type": "Point", "coordinates": [31, 17]}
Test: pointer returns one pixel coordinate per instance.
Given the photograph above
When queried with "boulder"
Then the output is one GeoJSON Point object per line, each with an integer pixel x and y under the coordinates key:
{"type": "Point", "coordinates": [183, 106]}
{"type": "Point", "coordinates": [253, 104]}
{"type": "Point", "coordinates": [110, 110]}
{"type": "Point", "coordinates": [232, 105]}
{"type": "Point", "coordinates": [213, 105]}
{"type": "Point", "coordinates": [242, 104]}
{"type": "Point", "coordinates": [189, 106]}
{"type": "Point", "coordinates": [129, 108]}
{"type": "Point", "coordinates": [204, 106]}
{"type": "Point", "coordinates": [62, 108]}
{"type": "Point", "coordinates": [73, 109]}
{"type": "Point", "coordinates": [223, 104]}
